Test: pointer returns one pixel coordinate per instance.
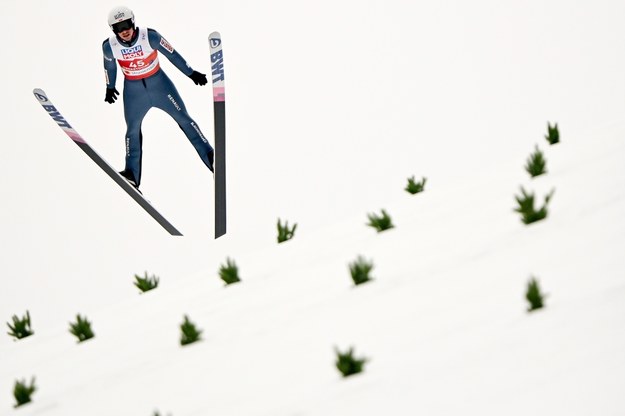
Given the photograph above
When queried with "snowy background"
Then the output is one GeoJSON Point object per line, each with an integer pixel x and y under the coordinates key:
{"type": "Point", "coordinates": [331, 106]}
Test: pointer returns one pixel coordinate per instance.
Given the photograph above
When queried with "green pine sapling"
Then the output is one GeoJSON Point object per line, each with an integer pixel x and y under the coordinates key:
{"type": "Point", "coordinates": [146, 283]}
{"type": "Point", "coordinates": [536, 164]}
{"type": "Point", "coordinates": [380, 222]}
{"type": "Point", "coordinates": [21, 327]}
{"type": "Point", "coordinates": [347, 364]}
{"type": "Point", "coordinates": [526, 207]}
{"type": "Point", "coordinates": [189, 332]}
{"type": "Point", "coordinates": [229, 272]}
{"type": "Point", "coordinates": [360, 270]}
{"type": "Point", "coordinates": [415, 187]}
{"type": "Point", "coordinates": [23, 392]}
{"type": "Point", "coordinates": [534, 296]}
{"type": "Point", "coordinates": [81, 329]}
{"type": "Point", "coordinates": [553, 134]}
{"type": "Point", "coordinates": [284, 232]}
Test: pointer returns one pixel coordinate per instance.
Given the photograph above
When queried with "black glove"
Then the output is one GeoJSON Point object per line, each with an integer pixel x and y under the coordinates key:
{"type": "Point", "coordinates": [198, 78]}
{"type": "Point", "coordinates": [111, 95]}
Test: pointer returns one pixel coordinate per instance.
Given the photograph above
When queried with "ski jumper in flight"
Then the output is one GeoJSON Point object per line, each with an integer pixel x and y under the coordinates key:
{"type": "Point", "coordinates": [146, 85]}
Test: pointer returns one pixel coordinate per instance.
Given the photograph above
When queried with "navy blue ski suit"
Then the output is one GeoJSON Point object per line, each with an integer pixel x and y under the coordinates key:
{"type": "Point", "coordinates": [145, 86]}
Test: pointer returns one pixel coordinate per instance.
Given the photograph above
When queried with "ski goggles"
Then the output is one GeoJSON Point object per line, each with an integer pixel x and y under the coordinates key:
{"type": "Point", "coordinates": [123, 25]}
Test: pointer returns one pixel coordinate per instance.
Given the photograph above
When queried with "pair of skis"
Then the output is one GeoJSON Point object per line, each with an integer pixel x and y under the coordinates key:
{"type": "Point", "coordinates": [219, 108]}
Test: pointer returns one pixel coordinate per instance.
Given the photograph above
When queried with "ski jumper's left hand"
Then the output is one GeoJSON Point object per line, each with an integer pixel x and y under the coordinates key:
{"type": "Point", "coordinates": [198, 78]}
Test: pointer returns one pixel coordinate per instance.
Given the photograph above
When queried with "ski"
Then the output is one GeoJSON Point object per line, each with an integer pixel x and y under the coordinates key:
{"type": "Point", "coordinates": [47, 105]}
{"type": "Point", "coordinates": [219, 108]}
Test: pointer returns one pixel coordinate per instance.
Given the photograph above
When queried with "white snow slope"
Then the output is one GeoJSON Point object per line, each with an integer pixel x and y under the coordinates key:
{"type": "Point", "coordinates": [332, 105]}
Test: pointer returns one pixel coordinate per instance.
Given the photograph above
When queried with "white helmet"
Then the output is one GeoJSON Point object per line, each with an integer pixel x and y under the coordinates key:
{"type": "Point", "coordinates": [120, 14]}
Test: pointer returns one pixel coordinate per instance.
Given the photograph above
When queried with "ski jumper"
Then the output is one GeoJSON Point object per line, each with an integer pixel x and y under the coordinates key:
{"type": "Point", "coordinates": [145, 86]}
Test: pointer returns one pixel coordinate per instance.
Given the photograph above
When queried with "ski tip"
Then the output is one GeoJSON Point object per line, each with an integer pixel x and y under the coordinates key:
{"type": "Point", "coordinates": [214, 40]}
{"type": "Point", "coordinates": [40, 95]}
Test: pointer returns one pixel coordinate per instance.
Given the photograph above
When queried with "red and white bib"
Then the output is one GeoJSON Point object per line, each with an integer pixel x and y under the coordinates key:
{"type": "Point", "coordinates": [137, 61]}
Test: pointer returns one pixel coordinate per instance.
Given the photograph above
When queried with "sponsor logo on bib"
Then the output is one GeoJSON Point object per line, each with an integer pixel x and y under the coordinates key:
{"type": "Point", "coordinates": [132, 53]}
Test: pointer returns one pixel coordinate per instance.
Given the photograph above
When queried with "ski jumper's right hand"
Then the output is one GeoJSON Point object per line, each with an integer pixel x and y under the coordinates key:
{"type": "Point", "coordinates": [111, 95]}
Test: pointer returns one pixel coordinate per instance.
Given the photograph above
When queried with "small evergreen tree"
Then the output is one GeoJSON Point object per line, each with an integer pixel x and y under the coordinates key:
{"type": "Point", "coordinates": [360, 270]}
{"type": "Point", "coordinates": [553, 135]}
{"type": "Point", "coordinates": [536, 163]}
{"type": "Point", "coordinates": [21, 327]}
{"type": "Point", "coordinates": [146, 283]}
{"type": "Point", "coordinates": [81, 329]}
{"type": "Point", "coordinates": [189, 332]}
{"type": "Point", "coordinates": [380, 222]}
{"type": "Point", "coordinates": [347, 364]}
{"type": "Point", "coordinates": [526, 207]}
{"type": "Point", "coordinates": [229, 272]}
{"type": "Point", "coordinates": [23, 392]}
{"type": "Point", "coordinates": [415, 187]}
{"type": "Point", "coordinates": [534, 296]}
{"type": "Point", "coordinates": [284, 232]}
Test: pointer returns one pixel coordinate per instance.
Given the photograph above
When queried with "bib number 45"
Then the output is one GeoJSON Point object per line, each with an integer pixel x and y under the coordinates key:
{"type": "Point", "coordinates": [137, 64]}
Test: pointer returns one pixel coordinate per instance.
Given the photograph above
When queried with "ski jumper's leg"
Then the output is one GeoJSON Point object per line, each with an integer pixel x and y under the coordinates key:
{"type": "Point", "coordinates": [136, 104]}
{"type": "Point", "coordinates": [165, 96]}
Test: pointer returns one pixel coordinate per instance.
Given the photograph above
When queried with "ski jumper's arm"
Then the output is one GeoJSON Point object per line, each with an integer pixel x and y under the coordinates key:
{"type": "Point", "coordinates": [110, 65]}
{"type": "Point", "coordinates": [159, 43]}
